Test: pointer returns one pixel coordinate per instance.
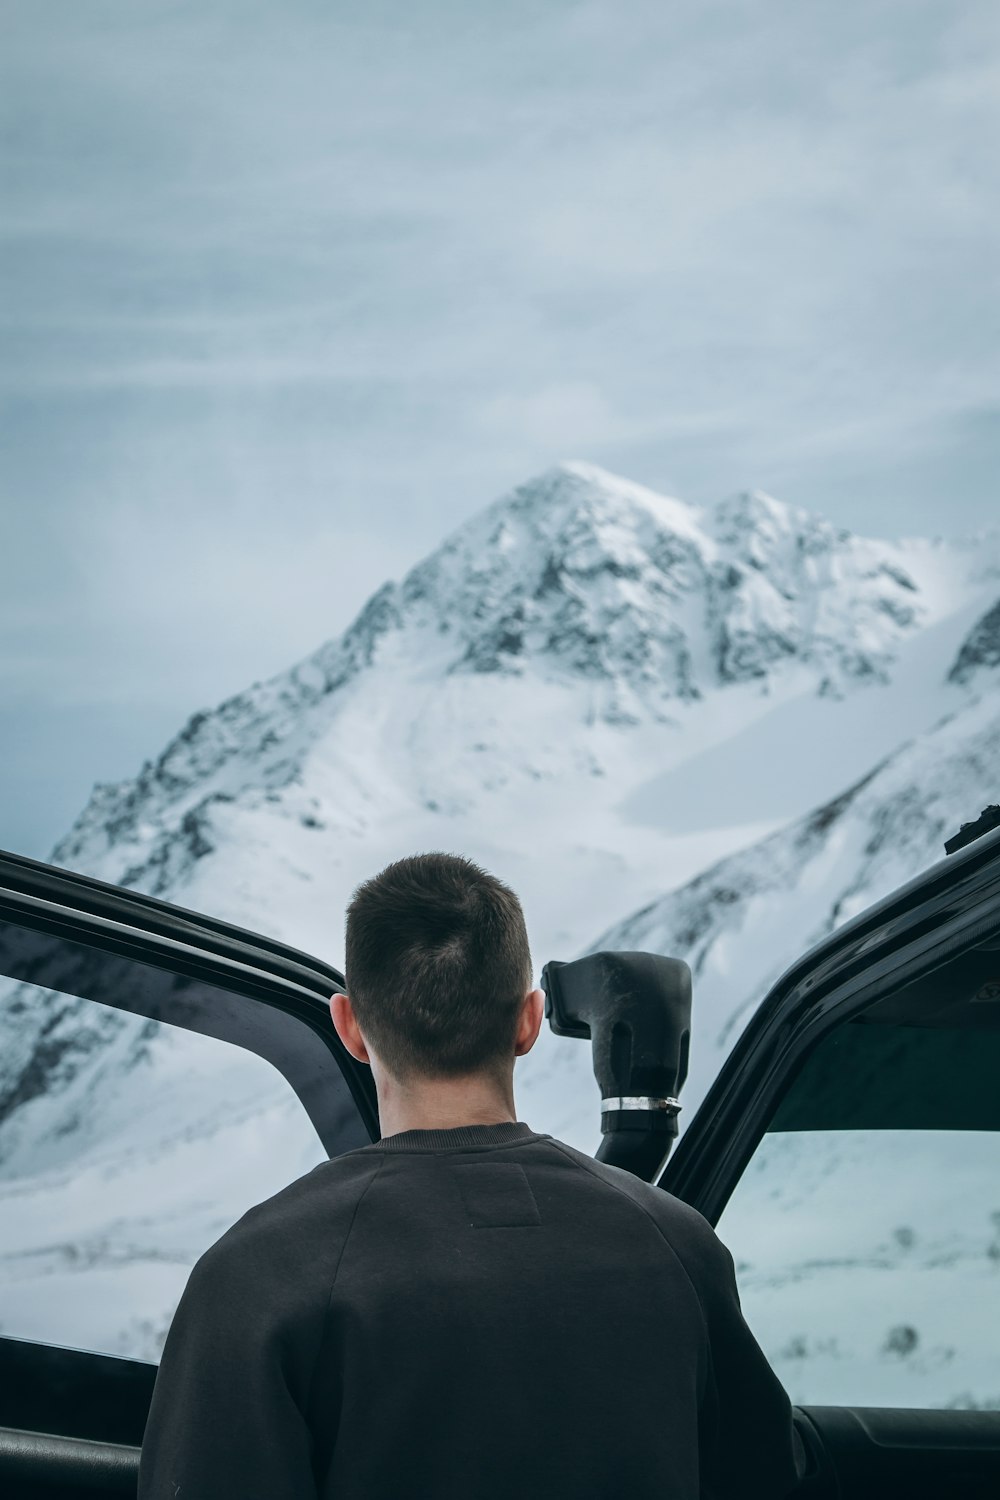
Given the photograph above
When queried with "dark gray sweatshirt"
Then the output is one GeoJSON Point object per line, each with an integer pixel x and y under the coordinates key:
{"type": "Point", "coordinates": [466, 1314]}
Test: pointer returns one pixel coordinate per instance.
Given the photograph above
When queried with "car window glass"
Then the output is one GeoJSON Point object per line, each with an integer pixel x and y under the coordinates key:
{"type": "Point", "coordinates": [868, 1265]}
{"type": "Point", "coordinates": [866, 1227]}
{"type": "Point", "coordinates": [129, 1144]}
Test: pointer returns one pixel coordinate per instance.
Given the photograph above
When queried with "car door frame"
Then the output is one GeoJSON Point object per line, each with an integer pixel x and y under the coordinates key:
{"type": "Point", "coordinates": [57, 1427]}
{"type": "Point", "coordinates": [865, 1452]}
{"type": "Point", "coordinates": [115, 919]}
{"type": "Point", "coordinates": [921, 925]}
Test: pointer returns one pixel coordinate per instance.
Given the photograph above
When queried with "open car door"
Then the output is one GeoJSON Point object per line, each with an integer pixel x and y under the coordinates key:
{"type": "Point", "coordinates": [160, 1073]}
{"type": "Point", "coordinates": [849, 1154]}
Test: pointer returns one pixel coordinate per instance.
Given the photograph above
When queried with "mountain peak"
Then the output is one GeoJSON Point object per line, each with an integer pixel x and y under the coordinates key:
{"type": "Point", "coordinates": [758, 504]}
{"type": "Point", "coordinates": [574, 574]}
{"type": "Point", "coordinates": [755, 512]}
{"type": "Point", "coordinates": [589, 473]}
{"type": "Point", "coordinates": [582, 493]}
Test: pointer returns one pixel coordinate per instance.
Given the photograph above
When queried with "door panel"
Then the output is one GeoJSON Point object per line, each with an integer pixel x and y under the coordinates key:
{"type": "Point", "coordinates": [129, 1144]}
{"type": "Point", "coordinates": [34, 1466]}
{"type": "Point", "coordinates": [877, 1454]}
{"type": "Point", "coordinates": [71, 1422]}
{"type": "Point", "coordinates": [156, 1081]}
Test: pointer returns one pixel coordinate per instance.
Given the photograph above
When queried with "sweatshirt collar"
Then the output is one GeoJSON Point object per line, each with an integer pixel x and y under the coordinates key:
{"type": "Point", "coordinates": [505, 1133]}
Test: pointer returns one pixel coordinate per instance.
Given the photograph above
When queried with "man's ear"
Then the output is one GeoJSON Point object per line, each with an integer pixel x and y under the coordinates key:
{"type": "Point", "coordinates": [530, 1023]}
{"type": "Point", "coordinates": [346, 1026]}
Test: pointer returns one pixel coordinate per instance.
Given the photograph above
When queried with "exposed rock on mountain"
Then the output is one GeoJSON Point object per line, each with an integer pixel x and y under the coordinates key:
{"type": "Point", "coordinates": [981, 648]}
{"type": "Point", "coordinates": [803, 588]}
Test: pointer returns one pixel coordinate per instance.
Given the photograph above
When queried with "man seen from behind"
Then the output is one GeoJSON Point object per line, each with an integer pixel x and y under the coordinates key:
{"type": "Point", "coordinates": [466, 1309]}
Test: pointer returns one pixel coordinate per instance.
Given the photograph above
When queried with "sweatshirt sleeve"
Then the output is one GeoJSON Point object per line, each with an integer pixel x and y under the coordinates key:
{"type": "Point", "coordinates": [749, 1446]}
{"type": "Point", "coordinates": [227, 1415]}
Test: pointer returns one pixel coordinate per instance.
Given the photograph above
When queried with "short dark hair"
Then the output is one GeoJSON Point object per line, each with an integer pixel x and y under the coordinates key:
{"type": "Point", "coordinates": [437, 966]}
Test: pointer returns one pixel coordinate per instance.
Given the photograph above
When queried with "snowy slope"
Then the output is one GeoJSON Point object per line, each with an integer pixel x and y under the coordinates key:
{"type": "Point", "coordinates": [747, 917]}
{"type": "Point", "coordinates": [521, 694]}
{"type": "Point", "coordinates": [599, 692]}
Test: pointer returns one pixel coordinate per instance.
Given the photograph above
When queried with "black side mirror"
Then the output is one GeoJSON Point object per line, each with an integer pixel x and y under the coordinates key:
{"type": "Point", "coordinates": [636, 1010]}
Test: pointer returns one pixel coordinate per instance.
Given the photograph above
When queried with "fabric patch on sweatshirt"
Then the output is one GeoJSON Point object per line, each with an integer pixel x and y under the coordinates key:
{"type": "Point", "coordinates": [496, 1195]}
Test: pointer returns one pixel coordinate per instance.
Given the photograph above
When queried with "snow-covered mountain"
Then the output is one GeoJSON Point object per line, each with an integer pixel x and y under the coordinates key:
{"type": "Point", "coordinates": [602, 694]}
{"type": "Point", "coordinates": [521, 694]}
{"type": "Point", "coordinates": [596, 690]}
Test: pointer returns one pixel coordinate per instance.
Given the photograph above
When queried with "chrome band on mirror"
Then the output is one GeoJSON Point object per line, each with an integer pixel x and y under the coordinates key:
{"type": "Point", "coordinates": [669, 1105]}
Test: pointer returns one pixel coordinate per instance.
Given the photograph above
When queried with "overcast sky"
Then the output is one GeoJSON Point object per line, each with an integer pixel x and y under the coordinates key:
{"type": "Point", "coordinates": [291, 287]}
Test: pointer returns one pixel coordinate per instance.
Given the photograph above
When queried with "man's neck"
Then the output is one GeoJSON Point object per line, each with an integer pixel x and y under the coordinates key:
{"type": "Point", "coordinates": [443, 1105]}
